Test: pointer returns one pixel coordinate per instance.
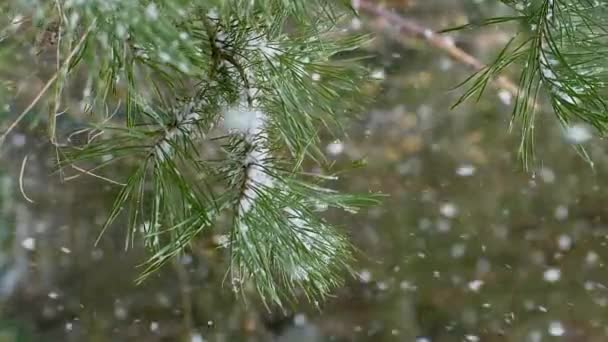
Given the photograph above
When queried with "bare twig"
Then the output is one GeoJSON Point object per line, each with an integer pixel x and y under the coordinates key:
{"type": "Point", "coordinates": [406, 26]}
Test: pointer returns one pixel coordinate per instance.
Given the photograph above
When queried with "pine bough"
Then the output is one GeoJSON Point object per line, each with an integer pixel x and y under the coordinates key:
{"type": "Point", "coordinates": [562, 52]}
{"type": "Point", "coordinates": [256, 79]}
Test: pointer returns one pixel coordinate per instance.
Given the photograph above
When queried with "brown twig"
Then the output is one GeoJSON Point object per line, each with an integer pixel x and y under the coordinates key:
{"type": "Point", "coordinates": [406, 26]}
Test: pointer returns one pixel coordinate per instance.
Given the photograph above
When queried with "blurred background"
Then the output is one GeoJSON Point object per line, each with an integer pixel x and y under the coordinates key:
{"type": "Point", "coordinates": [467, 247]}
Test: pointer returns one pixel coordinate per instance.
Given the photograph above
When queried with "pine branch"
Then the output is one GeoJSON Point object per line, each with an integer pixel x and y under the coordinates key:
{"type": "Point", "coordinates": [561, 56]}
{"type": "Point", "coordinates": [564, 59]}
{"type": "Point", "coordinates": [222, 73]}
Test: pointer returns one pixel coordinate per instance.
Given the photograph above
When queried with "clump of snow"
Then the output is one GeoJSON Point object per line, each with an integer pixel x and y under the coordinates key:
{"type": "Point", "coordinates": [243, 120]}
{"type": "Point", "coordinates": [250, 122]}
{"type": "Point", "coordinates": [256, 176]}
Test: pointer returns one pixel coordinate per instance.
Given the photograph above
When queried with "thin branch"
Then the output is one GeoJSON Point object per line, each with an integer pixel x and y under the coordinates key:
{"type": "Point", "coordinates": [391, 20]}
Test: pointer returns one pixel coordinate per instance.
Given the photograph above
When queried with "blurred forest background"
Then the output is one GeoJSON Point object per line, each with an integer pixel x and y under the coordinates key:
{"type": "Point", "coordinates": [467, 247]}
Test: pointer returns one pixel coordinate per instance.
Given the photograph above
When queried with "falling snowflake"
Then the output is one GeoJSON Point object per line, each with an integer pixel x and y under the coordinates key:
{"type": "Point", "coordinates": [556, 328]}
{"type": "Point", "coordinates": [466, 170]}
{"type": "Point", "coordinates": [577, 134]}
{"type": "Point", "coordinates": [449, 210]}
{"type": "Point", "coordinates": [335, 148]}
{"type": "Point", "coordinates": [552, 275]}
{"type": "Point", "coordinates": [29, 243]}
{"type": "Point", "coordinates": [475, 285]}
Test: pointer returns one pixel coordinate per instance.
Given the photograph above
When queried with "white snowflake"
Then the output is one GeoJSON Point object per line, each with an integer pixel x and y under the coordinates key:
{"type": "Point", "coordinates": [564, 242]}
{"type": "Point", "coordinates": [335, 148]}
{"type": "Point", "coordinates": [378, 74]}
{"type": "Point", "coordinates": [577, 134]}
{"type": "Point", "coordinates": [556, 328]}
{"type": "Point", "coordinates": [466, 170]}
{"type": "Point", "coordinates": [552, 275]}
{"type": "Point", "coordinates": [365, 276]}
{"type": "Point", "coordinates": [505, 97]}
{"type": "Point", "coordinates": [449, 210]}
{"type": "Point", "coordinates": [196, 337]}
{"type": "Point", "coordinates": [29, 243]}
{"type": "Point", "coordinates": [475, 285]}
